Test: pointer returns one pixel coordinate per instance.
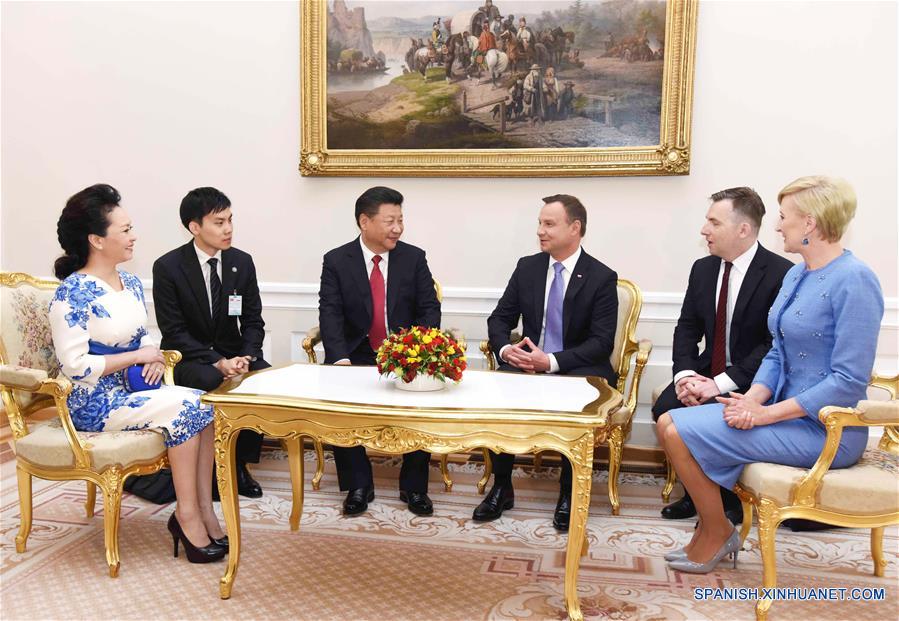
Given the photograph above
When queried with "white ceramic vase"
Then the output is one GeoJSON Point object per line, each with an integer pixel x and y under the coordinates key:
{"type": "Point", "coordinates": [421, 383]}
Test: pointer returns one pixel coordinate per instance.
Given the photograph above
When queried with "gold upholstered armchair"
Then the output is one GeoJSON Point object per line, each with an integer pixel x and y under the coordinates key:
{"type": "Point", "coordinates": [865, 495]}
{"type": "Point", "coordinates": [53, 449]}
{"type": "Point", "coordinates": [313, 338]}
{"type": "Point", "coordinates": [630, 302]}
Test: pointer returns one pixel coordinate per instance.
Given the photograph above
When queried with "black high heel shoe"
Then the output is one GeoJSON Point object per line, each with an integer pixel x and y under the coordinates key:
{"type": "Point", "coordinates": [206, 554]}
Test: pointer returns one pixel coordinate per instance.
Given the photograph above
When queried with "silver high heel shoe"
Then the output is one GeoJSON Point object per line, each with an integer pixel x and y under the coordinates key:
{"type": "Point", "coordinates": [731, 547]}
{"type": "Point", "coordinates": [676, 555]}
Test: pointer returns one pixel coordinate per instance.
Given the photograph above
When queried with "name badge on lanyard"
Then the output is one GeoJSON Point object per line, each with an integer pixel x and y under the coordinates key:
{"type": "Point", "coordinates": [235, 305]}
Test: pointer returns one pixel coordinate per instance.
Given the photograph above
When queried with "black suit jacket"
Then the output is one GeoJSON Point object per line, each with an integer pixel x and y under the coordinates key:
{"type": "Point", "coordinates": [182, 307]}
{"type": "Point", "coordinates": [345, 306]}
{"type": "Point", "coordinates": [589, 313]}
{"type": "Point", "coordinates": [749, 336]}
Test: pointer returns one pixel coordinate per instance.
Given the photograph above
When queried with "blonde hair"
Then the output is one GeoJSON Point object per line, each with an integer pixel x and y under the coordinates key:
{"type": "Point", "coordinates": [829, 200]}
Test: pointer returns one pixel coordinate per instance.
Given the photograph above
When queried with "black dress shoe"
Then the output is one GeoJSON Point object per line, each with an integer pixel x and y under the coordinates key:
{"type": "Point", "coordinates": [562, 516]}
{"type": "Point", "coordinates": [247, 486]}
{"type": "Point", "coordinates": [500, 498]}
{"type": "Point", "coordinates": [679, 510]}
{"type": "Point", "coordinates": [205, 554]}
{"type": "Point", "coordinates": [735, 515]}
{"type": "Point", "coordinates": [419, 503]}
{"type": "Point", "coordinates": [357, 500]}
{"type": "Point", "coordinates": [223, 541]}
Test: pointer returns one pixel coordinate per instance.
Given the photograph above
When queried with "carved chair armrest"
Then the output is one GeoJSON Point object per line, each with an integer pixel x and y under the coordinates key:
{"type": "Point", "coordinates": [886, 382]}
{"type": "Point", "coordinates": [492, 356]}
{"type": "Point", "coordinates": [21, 378]}
{"type": "Point", "coordinates": [866, 414]}
{"type": "Point", "coordinates": [459, 336]}
{"type": "Point", "coordinates": [644, 348]}
{"type": "Point", "coordinates": [313, 338]}
{"type": "Point", "coordinates": [172, 357]}
{"type": "Point", "coordinates": [59, 388]}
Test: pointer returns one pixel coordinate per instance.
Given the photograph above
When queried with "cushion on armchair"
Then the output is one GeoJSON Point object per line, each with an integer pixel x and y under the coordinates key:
{"type": "Point", "coordinates": [869, 487]}
{"type": "Point", "coordinates": [46, 445]}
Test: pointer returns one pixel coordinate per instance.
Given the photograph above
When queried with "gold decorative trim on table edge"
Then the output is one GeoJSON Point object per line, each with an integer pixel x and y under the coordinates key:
{"type": "Point", "coordinates": [670, 157]}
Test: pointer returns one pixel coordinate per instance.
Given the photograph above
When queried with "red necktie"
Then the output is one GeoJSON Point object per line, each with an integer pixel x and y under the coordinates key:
{"type": "Point", "coordinates": [378, 331]}
{"type": "Point", "coordinates": [719, 346]}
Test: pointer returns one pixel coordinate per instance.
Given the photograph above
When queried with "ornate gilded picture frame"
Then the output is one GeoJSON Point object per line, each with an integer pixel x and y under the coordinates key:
{"type": "Point", "coordinates": [504, 88]}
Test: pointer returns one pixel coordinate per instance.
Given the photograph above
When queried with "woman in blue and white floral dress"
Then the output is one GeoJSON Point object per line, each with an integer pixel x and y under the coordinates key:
{"type": "Point", "coordinates": [98, 318]}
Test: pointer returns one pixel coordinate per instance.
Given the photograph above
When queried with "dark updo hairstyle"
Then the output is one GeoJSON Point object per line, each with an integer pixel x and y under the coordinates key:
{"type": "Point", "coordinates": [85, 214]}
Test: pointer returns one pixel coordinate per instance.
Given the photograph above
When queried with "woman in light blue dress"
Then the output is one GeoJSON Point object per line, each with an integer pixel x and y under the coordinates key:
{"type": "Point", "coordinates": [824, 324]}
{"type": "Point", "coordinates": [99, 322]}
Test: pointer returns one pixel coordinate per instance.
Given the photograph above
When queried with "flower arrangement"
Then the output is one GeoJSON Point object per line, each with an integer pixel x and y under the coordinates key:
{"type": "Point", "coordinates": [420, 350]}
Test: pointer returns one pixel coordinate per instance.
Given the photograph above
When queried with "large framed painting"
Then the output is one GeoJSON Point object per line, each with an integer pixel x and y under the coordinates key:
{"type": "Point", "coordinates": [501, 88]}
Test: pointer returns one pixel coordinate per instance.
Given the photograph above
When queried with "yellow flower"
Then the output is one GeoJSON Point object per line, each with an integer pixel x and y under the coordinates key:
{"type": "Point", "coordinates": [427, 338]}
{"type": "Point", "coordinates": [450, 350]}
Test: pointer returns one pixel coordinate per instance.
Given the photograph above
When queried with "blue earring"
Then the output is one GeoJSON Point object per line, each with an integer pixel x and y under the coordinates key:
{"type": "Point", "coordinates": [805, 241]}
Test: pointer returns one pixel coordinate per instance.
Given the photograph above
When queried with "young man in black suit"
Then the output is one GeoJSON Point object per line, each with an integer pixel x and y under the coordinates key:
{"type": "Point", "coordinates": [371, 286]}
{"type": "Point", "coordinates": [568, 304]}
{"type": "Point", "coordinates": [726, 305]}
{"type": "Point", "coordinates": [208, 308]}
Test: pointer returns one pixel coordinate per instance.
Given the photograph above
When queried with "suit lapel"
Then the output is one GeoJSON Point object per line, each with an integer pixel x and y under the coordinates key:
{"type": "Point", "coordinates": [754, 275]}
{"type": "Point", "coordinates": [395, 266]}
{"type": "Point", "coordinates": [359, 273]}
{"type": "Point", "coordinates": [539, 280]}
{"type": "Point", "coordinates": [574, 286]}
{"type": "Point", "coordinates": [194, 276]}
{"type": "Point", "coordinates": [710, 302]}
{"type": "Point", "coordinates": [229, 279]}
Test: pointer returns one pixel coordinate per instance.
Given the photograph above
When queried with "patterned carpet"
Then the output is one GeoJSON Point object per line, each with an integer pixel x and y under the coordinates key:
{"type": "Point", "coordinates": [389, 564]}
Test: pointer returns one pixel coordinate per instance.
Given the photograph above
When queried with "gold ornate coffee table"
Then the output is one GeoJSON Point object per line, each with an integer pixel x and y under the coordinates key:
{"type": "Point", "coordinates": [351, 406]}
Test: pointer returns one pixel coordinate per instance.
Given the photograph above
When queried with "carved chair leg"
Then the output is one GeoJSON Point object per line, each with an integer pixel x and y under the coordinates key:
{"type": "Point", "coordinates": [488, 470]}
{"type": "Point", "coordinates": [538, 460]}
{"type": "Point", "coordinates": [747, 521]}
{"type": "Point", "coordinates": [24, 478]}
{"type": "Point", "coordinates": [320, 465]}
{"type": "Point", "coordinates": [585, 549]}
{"type": "Point", "coordinates": [616, 445]}
{"type": "Point", "coordinates": [111, 487]}
{"type": "Point", "coordinates": [670, 479]}
{"type": "Point", "coordinates": [444, 471]}
{"type": "Point", "coordinates": [91, 501]}
{"type": "Point", "coordinates": [877, 551]}
{"type": "Point", "coordinates": [768, 521]}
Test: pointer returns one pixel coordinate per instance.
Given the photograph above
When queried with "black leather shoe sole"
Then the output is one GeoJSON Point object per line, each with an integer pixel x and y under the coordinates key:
{"type": "Point", "coordinates": [355, 509]}
{"type": "Point", "coordinates": [418, 508]}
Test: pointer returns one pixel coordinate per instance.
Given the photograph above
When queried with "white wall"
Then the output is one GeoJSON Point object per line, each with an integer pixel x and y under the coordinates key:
{"type": "Point", "coordinates": [158, 98]}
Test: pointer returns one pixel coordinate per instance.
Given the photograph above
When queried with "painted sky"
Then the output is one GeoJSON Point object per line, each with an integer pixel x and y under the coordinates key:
{"type": "Point", "coordinates": [417, 8]}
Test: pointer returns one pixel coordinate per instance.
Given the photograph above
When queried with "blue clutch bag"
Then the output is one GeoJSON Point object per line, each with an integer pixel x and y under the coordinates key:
{"type": "Point", "coordinates": [132, 376]}
{"type": "Point", "coordinates": [134, 380]}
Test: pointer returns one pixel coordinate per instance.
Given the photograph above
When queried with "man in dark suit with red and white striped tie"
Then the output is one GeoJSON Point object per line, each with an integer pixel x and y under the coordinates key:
{"type": "Point", "coordinates": [373, 285]}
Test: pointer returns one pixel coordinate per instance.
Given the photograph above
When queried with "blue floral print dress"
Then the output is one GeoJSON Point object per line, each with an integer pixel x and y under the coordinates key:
{"type": "Point", "coordinates": [87, 309]}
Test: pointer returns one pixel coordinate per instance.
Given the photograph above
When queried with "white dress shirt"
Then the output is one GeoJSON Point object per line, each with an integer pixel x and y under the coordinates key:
{"type": "Point", "coordinates": [567, 270]}
{"type": "Point", "coordinates": [737, 274]}
{"type": "Point", "coordinates": [203, 258]}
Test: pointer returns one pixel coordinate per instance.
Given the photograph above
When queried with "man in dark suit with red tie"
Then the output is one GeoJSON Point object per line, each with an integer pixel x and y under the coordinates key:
{"type": "Point", "coordinates": [567, 302]}
{"type": "Point", "coordinates": [208, 307]}
{"type": "Point", "coordinates": [726, 306]}
{"type": "Point", "coordinates": [373, 285]}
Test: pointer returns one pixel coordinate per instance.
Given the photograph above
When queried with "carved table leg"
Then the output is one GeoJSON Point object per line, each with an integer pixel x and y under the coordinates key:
{"type": "Point", "coordinates": [320, 464]}
{"type": "Point", "coordinates": [444, 471]}
{"type": "Point", "coordinates": [295, 461]}
{"type": "Point", "coordinates": [225, 467]}
{"type": "Point", "coordinates": [581, 480]}
{"type": "Point", "coordinates": [488, 470]}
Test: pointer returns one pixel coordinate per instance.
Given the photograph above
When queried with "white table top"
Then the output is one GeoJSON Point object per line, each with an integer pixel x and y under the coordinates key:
{"type": "Point", "coordinates": [478, 389]}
